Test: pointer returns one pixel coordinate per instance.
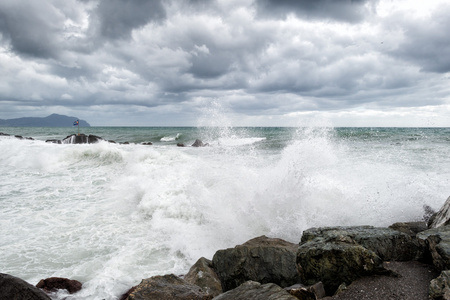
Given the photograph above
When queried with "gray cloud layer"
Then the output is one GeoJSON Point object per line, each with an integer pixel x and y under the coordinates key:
{"type": "Point", "coordinates": [128, 62]}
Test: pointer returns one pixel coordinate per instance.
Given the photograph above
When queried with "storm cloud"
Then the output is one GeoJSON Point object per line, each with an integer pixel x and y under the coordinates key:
{"type": "Point", "coordinates": [266, 62]}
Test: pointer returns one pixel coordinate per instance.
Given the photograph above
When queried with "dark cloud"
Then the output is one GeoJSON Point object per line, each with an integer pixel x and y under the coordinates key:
{"type": "Point", "coordinates": [341, 10]}
{"type": "Point", "coordinates": [31, 28]}
{"type": "Point", "coordinates": [117, 18]}
{"type": "Point", "coordinates": [427, 45]}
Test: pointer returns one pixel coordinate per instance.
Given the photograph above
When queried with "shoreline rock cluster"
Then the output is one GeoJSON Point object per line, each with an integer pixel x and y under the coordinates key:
{"type": "Point", "coordinates": [92, 139]}
{"type": "Point", "coordinates": [324, 263]}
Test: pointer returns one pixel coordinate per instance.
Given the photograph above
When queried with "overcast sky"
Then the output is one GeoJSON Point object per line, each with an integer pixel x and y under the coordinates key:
{"type": "Point", "coordinates": [256, 62]}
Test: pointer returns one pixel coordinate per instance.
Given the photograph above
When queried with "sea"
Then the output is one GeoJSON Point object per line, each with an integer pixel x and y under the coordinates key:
{"type": "Point", "coordinates": [111, 214]}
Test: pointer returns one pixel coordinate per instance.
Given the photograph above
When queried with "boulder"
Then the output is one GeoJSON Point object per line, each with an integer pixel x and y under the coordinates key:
{"type": "Point", "coordinates": [15, 288]}
{"type": "Point", "coordinates": [203, 275]}
{"type": "Point", "coordinates": [262, 259]}
{"type": "Point", "coordinates": [442, 217]}
{"type": "Point", "coordinates": [334, 262]}
{"type": "Point", "coordinates": [168, 287]}
{"type": "Point", "coordinates": [56, 283]}
{"type": "Point", "coordinates": [252, 290]}
{"type": "Point", "coordinates": [181, 145]}
{"type": "Point", "coordinates": [436, 241]}
{"type": "Point", "coordinates": [147, 143]}
{"type": "Point", "coordinates": [440, 287]}
{"type": "Point", "coordinates": [387, 243]}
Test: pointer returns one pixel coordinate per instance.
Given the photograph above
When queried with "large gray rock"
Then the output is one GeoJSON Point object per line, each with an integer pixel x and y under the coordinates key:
{"type": "Point", "coordinates": [203, 275]}
{"type": "Point", "coordinates": [443, 215]}
{"type": "Point", "coordinates": [13, 288]}
{"type": "Point", "coordinates": [388, 244]}
{"type": "Point", "coordinates": [81, 139]}
{"type": "Point", "coordinates": [168, 287]}
{"type": "Point", "coordinates": [440, 287]}
{"type": "Point", "coordinates": [56, 283]}
{"type": "Point", "coordinates": [252, 290]}
{"type": "Point", "coordinates": [436, 241]}
{"type": "Point", "coordinates": [410, 228]}
{"type": "Point", "coordinates": [334, 262]}
{"type": "Point", "coordinates": [262, 259]}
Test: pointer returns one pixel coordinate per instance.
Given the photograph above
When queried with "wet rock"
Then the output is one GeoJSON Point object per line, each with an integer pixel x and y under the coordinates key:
{"type": "Point", "coordinates": [168, 287]}
{"type": "Point", "coordinates": [181, 145]}
{"type": "Point", "coordinates": [410, 228]}
{"type": "Point", "coordinates": [336, 261]}
{"type": "Point", "coordinates": [147, 143]}
{"type": "Point", "coordinates": [252, 290]}
{"type": "Point", "coordinates": [199, 143]}
{"type": "Point", "coordinates": [54, 141]}
{"type": "Point", "coordinates": [15, 288]}
{"type": "Point", "coordinates": [203, 275]}
{"type": "Point", "coordinates": [3, 134]}
{"type": "Point", "coordinates": [262, 259]}
{"type": "Point", "coordinates": [440, 287]}
{"type": "Point", "coordinates": [57, 283]}
{"type": "Point", "coordinates": [442, 217]}
{"type": "Point", "coordinates": [436, 241]}
{"type": "Point", "coordinates": [302, 292]}
{"type": "Point", "coordinates": [81, 139]}
{"type": "Point", "coordinates": [387, 243]}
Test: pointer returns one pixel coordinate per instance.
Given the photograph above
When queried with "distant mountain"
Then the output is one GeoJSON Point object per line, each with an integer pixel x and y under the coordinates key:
{"type": "Point", "coordinates": [53, 120]}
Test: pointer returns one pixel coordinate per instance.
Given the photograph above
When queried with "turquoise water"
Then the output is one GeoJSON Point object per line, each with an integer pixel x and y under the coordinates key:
{"type": "Point", "coordinates": [110, 214]}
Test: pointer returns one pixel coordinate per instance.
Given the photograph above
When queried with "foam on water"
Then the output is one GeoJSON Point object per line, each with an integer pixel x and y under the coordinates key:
{"type": "Point", "coordinates": [109, 214]}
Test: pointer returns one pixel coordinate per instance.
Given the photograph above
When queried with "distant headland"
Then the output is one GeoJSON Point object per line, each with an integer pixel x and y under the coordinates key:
{"type": "Point", "coordinates": [53, 120]}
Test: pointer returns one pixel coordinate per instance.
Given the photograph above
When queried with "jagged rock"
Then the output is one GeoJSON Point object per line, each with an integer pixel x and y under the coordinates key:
{"type": "Point", "coordinates": [168, 287]}
{"type": "Point", "coordinates": [199, 143]}
{"type": "Point", "coordinates": [410, 228]}
{"type": "Point", "coordinates": [203, 275]}
{"type": "Point", "coordinates": [440, 286]}
{"type": "Point", "coordinates": [437, 243]}
{"type": "Point", "coordinates": [56, 283]}
{"type": "Point", "coordinates": [388, 244]}
{"type": "Point", "coordinates": [336, 261]}
{"type": "Point", "coordinates": [12, 288]}
{"type": "Point", "coordinates": [302, 292]}
{"type": "Point", "coordinates": [81, 139]}
{"type": "Point", "coordinates": [262, 259]}
{"type": "Point", "coordinates": [252, 290]}
{"type": "Point", "coordinates": [443, 215]}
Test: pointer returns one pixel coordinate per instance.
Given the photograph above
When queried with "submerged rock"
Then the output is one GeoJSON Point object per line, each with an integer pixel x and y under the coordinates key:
{"type": "Point", "coordinates": [168, 287]}
{"type": "Point", "coordinates": [252, 290]}
{"type": "Point", "coordinates": [199, 143]}
{"type": "Point", "coordinates": [15, 288]}
{"type": "Point", "coordinates": [56, 283]}
{"type": "Point", "coordinates": [262, 259]}
{"type": "Point", "coordinates": [203, 275]}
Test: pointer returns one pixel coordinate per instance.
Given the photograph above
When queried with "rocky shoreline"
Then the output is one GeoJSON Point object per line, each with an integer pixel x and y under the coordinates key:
{"type": "Point", "coordinates": [402, 261]}
{"type": "Point", "coordinates": [92, 139]}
